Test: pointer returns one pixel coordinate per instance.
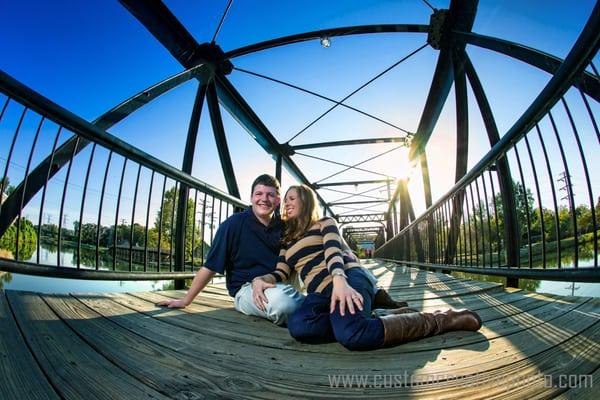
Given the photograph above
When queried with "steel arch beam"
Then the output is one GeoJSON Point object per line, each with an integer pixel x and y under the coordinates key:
{"type": "Point", "coordinates": [588, 83]}
{"type": "Point", "coordinates": [221, 140]}
{"type": "Point", "coordinates": [164, 26]}
{"type": "Point", "coordinates": [331, 32]}
{"type": "Point", "coordinates": [461, 16]}
{"type": "Point", "coordinates": [511, 227]}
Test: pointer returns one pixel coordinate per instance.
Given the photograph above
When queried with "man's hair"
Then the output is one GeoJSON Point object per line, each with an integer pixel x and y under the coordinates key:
{"type": "Point", "coordinates": [267, 180]}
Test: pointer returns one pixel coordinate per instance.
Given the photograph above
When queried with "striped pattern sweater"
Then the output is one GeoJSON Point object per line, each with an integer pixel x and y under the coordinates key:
{"type": "Point", "coordinates": [314, 256]}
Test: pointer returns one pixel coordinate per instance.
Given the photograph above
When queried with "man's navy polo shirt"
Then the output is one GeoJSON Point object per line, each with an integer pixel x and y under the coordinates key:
{"type": "Point", "coordinates": [243, 248]}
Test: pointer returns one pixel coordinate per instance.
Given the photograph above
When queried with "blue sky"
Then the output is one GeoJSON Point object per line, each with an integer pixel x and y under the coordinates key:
{"type": "Point", "coordinates": [88, 56]}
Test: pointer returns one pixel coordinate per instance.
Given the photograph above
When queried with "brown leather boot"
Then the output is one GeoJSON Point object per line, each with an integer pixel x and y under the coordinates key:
{"type": "Point", "coordinates": [457, 320]}
{"type": "Point", "coordinates": [383, 299]}
{"type": "Point", "coordinates": [402, 328]}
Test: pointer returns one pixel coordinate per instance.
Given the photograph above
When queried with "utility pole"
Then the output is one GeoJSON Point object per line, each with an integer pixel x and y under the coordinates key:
{"type": "Point", "coordinates": [570, 196]}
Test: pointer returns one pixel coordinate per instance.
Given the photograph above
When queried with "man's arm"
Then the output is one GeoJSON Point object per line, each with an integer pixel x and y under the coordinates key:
{"type": "Point", "coordinates": [202, 278]}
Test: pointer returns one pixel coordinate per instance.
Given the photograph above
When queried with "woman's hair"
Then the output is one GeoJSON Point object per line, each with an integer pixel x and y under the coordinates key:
{"type": "Point", "coordinates": [307, 215]}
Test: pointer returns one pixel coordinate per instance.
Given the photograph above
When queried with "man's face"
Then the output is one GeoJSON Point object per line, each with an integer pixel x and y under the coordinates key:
{"type": "Point", "coordinates": [264, 201]}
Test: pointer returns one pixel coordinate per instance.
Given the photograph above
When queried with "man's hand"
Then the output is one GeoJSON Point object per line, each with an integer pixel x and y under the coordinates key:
{"type": "Point", "coordinates": [346, 295]}
{"type": "Point", "coordinates": [182, 303]}
{"type": "Point", "coordinates": [259, 285]}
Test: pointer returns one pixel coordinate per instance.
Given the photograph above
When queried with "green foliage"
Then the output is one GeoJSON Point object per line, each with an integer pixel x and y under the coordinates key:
{"type": "Point", "coordinates": [167, 226]}
{"type": "Point", "coordinates": [27, 239]}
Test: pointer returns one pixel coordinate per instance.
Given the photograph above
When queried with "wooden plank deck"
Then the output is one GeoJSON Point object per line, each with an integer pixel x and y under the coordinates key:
{"type": "Point", "coordinates": [120, 346]}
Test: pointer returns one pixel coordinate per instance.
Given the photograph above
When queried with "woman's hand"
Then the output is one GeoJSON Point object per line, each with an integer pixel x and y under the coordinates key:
{"type": "Point", "coordinates": [346, 295]}
{"type": "Point", "coordinates": [259, 285]}
{"type": "Point", "coordinates": [182, 303]}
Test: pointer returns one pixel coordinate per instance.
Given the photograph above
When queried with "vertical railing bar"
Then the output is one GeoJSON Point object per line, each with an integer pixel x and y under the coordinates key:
{"type": "Point", "coordinates": [436, 216]}
{"type": "Point", "coordinates": [148, 222]}
{"type": "Point", "coordinates": [498, 240]}
{"type": "Point", "coordinates": [474, 224]}
{"type": "Point", "coordinates": [443, 231]}
{"type": "Point", "coordinates": [194, 228]}
{"type": "Point", "coordinates": [447, 216]}
{"type": "Point", "coordinates": [212, 217]}
{"type": "Point", "coordinates": [569, 188]}
{"type": "Point", "coordinates": [135, 193]}
{"type": "Point", "coordinates": [220, 210]}
{"type": "Point", "coordinates": [160, 221]}
{"type": "Point", "coordinates": [85, 185]}
{"type": "Point", "coordinates": [540, 205]}
{"type": "Point", "coordinates": [172, 238]}
{"type": "Point", "coordinates": [40, 220]}
{"type": "Point", "coordinates": [62, 203]}
{"type": "Point", "coordinates": [526, 202]}
{"type": "Point", "coordinates": [587, 181]}
{"type": "Point", "coordinates": [35, 139]}
{"type": "Point", "coordinates": [117, 214]}
{"type": "Point", "coordinates": [489, 218]}
{"type": "Point", "coordinates": [98, 227]}
{"type": "Point", "coordinates": [203, 226]}
{"type": "Point", "coordinates": [480, 222]}
{"type": "Point", "coordinates": [591, 115]}
{"type": "Point", "coordinates": [10, 153]}
{"type": "Point", "coordinates": [465, 227]}
{"type": "Point", "coordinates": [550, 176]}
{"type": "Point", "coordinates": [458, 233]}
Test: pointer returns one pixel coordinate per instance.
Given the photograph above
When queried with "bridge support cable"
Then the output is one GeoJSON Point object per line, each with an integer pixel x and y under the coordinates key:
{"type": "Point", "coordinates": [357, 90]}
{"type": "Point", "coordinates": [366, 114]}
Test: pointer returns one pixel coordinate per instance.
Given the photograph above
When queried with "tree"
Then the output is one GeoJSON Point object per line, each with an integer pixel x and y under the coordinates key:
{"type": "Point", "coordinates": [167, 226]}
{"type": "Point", "coordinates": [27, 239]}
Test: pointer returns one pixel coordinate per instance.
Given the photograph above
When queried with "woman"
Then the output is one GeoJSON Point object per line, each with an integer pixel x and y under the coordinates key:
{"type": "Point", "coordinates": [312, 247]}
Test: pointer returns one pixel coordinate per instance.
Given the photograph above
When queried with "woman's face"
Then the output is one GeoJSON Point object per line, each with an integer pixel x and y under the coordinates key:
{"type": "Point", "coordinates": [292, 204]}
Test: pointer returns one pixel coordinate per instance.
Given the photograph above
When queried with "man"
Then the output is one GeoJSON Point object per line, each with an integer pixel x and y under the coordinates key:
{"type": "Point", "coordinates": [246, 246]}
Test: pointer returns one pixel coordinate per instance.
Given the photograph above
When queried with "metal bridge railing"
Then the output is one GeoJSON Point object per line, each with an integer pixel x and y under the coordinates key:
{"type": "Point", "coordinates": [110, 213]}
{"type": "Point", "coordinates": [530, 207]}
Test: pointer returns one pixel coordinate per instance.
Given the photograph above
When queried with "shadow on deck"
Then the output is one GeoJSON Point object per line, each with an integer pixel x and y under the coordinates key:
{"type": "Point", "coordinates": [121, 346]}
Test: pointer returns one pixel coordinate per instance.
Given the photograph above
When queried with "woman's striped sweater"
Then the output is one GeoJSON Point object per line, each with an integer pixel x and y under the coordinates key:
{"type": "Point", "coordinates": [314, 256]}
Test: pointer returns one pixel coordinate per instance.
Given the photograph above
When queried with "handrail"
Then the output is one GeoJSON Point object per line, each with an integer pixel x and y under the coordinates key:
{"type": "Point", "coordinates": [42, 105]}
{"type": "Point", "coordinates": [93, 249]}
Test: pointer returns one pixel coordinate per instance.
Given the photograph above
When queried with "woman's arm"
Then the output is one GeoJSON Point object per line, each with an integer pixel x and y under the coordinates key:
{"type": "Point", "coordinates": [342, 292]}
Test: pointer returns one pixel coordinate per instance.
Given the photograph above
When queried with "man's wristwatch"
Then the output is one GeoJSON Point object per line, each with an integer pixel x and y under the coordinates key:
{"type": "Point", "coordinates": [338, 272]}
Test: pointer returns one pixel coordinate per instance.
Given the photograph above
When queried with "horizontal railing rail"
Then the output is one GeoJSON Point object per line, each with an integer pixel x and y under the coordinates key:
{"type": "Point", "coordinates": [110, 213]}
{"type": "Point", "coordinates": [529, 207]}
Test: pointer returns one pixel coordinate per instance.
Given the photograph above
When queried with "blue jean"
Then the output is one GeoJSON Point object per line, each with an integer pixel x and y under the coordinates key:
{"type": "Point", "coordinates": [282, 301]}
{"type": "Point", "coordinates": [312, 322]}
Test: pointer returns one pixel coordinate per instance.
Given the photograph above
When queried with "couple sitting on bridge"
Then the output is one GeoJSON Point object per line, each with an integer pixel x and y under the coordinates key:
{"type": "Point", "coordinates": [257, 252]}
